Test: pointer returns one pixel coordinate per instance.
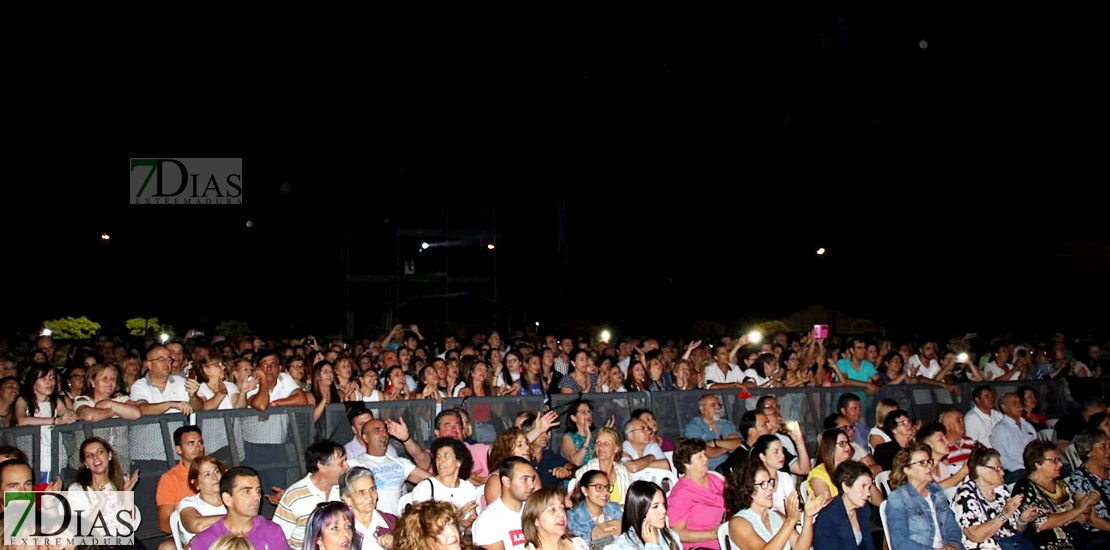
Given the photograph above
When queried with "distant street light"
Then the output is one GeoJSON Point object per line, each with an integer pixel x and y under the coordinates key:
{"type": "Point", "coordinates": [490, 246]}
{"type": "Point", "coordinates": [820, 251]}
{"type": "Point", "coordinates": [605, 336]}
{"type": "Point", "coordinates": [164, 337]}
{"type": "Point", "coordinates": [424, 246]}
{"type": "Point", "coordinates": [105, 236]}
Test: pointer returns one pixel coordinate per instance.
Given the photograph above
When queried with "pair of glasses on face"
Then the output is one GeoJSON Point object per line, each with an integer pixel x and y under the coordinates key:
{"type": "Point", "coordinates": [928, 462]}
{"type": "Point", "coordinates": [601, 488]}
{"type": "Point", "coordinates": [998, 469]}
{"type": "Point", "coordinates": [766, 485]}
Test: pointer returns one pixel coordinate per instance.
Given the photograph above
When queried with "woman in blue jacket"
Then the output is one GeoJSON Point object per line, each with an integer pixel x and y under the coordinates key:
{"type": "Point", "coordinates": [845, 524]}
{"type": "Point", "coordinates": [917, 513]}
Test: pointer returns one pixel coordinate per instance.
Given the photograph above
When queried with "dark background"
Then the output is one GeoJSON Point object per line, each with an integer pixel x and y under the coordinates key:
{"type": "Point", "coordinates": [700, 169]}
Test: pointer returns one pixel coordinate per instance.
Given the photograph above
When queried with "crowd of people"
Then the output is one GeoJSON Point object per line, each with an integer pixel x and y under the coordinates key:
{"type": "Point", "coordinates": [987, 477]}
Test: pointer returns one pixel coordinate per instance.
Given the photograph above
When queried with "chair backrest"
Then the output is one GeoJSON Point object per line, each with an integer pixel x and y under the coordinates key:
{"type": "Point", "coordinates": [803, 492]}
{"type": "Point", "coordinates": [883, 481]}
{"type": "Point", "coordinates": [1047, 434]}
{"type": "Point", "coordinates": [722, 536]}
{"type": "Point", "coordinates": [403, 503]}
{"type": "Point", "coordinates": [175, 529]}
{"type": "Point", "coordinates": [950, 493]}
{"type": "Point", "coordinates": [1072, 456]}
{"type": "Point", "coordinates": [886, 530]}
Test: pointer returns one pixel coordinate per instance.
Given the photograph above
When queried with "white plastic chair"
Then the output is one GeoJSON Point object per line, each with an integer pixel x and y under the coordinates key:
{"type": "Point", "coordinates": [803, 492]}
{"type": "Point", "coordinates": [403, 503]}
{"type": "Point", "coordinates": [883, 481]}
{"type": "Point", "coordinates": [886, 529]}
{"type": "Point", "coordinates": [1047, 434]}
{"type": "Point", "coordinates": [950, 493]}
{"type": "Point", "coordinates": [722, 536]}
{"type": "Point", "coordinates": [175, 529]}
{"type": "Point", "coordinates": [1072, 456]}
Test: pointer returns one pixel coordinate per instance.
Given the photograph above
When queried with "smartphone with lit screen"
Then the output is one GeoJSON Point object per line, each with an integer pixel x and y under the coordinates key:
{"type": "Point", "coordinates": [820, 331]}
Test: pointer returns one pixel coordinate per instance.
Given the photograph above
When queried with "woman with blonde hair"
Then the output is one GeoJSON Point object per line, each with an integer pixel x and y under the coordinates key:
{"type": "Point", "coordinates": [429, 525]}
{"type": "Point", "coordinates": [607, 449]}
{"type": "Point", "coordinates": [232, 542]}
{"type": "Point", "coordinates": [544, 521]}
{"type": "Point", "coordinates": [877, 436]}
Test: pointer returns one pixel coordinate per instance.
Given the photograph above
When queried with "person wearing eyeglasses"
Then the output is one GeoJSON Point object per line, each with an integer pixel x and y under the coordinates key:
{"type": "Point", "coordinates": [755, 524]}
{"type": "Point", "coordinates": [900, 427]}
{"type": "Point", "coordinates": [1065, 514]}
{"type": "Point", "coordinates": [919, 516]}
{"type": "Point", "coordinates": [989, 516]}
{"type": "Point", "coordinates": [595, 518]}
{"type": "Point", "coordinates": [833, 448]}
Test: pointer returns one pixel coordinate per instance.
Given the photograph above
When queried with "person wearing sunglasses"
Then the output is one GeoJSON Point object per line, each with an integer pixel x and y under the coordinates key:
{"type": "Point", "coordinates": [918, 514]}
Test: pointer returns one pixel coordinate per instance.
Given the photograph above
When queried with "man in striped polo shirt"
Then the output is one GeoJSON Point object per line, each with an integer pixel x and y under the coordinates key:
{"type": "Point", "coordinates": [959, 444]}
{"type": "Point", "coordinates": [326, 461]}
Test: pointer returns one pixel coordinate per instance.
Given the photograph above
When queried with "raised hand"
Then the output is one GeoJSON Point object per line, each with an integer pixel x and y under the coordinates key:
{"type": "Point", "coordinates": [1012, 506]}
{"type": "Point", "coordinates": [275, 498]}
{"type": "Point", "coordinates": [468, 513]}
{"type": "Point", "coordinates": [398, 430]}
{"type": "Point", "coordinates": [815, 504]}
{"type": "Point", "coordinates": [549, 420]}
{"type": "Point", "coordinates": [130, 480]}
{"type": "Point", "coordinates": [793, 509]}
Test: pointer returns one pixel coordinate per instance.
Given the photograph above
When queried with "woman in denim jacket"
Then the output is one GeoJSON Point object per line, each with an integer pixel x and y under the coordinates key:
{"type": "Point", "coordinates": [594, 518]}
{"type": "Point", "coordinates": [917, 513]}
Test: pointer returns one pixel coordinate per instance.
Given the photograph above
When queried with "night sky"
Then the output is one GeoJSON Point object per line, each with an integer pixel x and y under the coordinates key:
{"type": "Point", "coordinates": [699, 171]}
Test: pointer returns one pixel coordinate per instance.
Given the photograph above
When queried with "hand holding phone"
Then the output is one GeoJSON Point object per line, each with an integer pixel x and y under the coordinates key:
{"type": "Point", "coordinates": [821, 331]}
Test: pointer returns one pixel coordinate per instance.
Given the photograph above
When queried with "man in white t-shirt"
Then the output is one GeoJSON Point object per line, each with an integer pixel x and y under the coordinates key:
{"type": "Point", "coordinates": [390, 473]}
{"type": "Point", "coordinates": [159, 393]}
{"type": "Point", "coordinates": [498, 526]}
{"type": "Point", "coordinates": [265, 436]}
{"type": "Point", "coordinates": [979, 422]}
{"type": "Point", "coordinates": [924, 364]}
{"type": "Point", "coordinates": [398, 430]}
{"type": "Point", "coordinates": [721, 374]}
{"type": "Point", "coordinates": [1001, 368]}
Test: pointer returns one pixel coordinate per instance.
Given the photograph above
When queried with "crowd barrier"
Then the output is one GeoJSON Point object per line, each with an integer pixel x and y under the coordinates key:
{"type": "Point", "coordinates": [273, 442]}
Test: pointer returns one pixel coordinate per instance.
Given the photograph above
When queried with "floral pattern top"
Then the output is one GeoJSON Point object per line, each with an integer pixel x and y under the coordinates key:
{"type": "Point", "coordinates": [971, 507]}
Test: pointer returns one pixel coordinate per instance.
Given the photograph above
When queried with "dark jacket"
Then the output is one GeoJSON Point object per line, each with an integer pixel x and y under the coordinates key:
{"type": "Point", "coordinates": [833, 531]}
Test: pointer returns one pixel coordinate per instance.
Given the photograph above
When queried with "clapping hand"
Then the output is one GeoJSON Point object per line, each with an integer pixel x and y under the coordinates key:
{"type": "Point", "coordinates": [793, 508]}
{"type": "Point", "coordinates": [1012, 506]}
{"type": "Point", "coordinates": [815, 504]}
{"type": "Point", "coordinates": [130, 480]}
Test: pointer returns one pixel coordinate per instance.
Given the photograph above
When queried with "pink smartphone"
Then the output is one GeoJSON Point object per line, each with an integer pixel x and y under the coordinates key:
{"type": "Point", "coordinates": [820, 331]}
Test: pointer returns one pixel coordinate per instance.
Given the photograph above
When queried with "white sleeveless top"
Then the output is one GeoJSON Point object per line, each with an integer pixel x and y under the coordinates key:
{"type": "Point", "coordinates": [758, 526]}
